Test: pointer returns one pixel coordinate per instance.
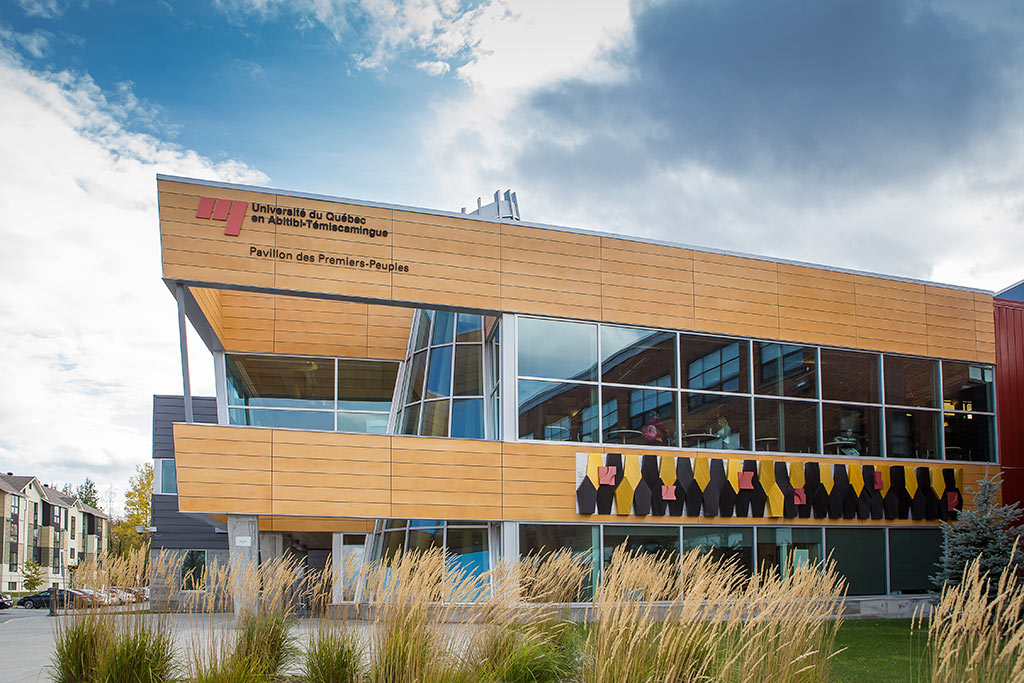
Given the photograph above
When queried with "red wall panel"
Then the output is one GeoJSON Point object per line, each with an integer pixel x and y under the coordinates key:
{"type": "Point", "coordinates": [1009, 320]}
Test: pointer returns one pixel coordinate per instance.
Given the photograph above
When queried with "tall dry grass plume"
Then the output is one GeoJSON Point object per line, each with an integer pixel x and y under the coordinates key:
{"type": "Point", "coordinates": [658, 619]}
{"type": "Point", "coordinates": [256, 642]}
{"type": "Point", "coordinates": [426, 618]}
{"type": "Point", "coordinates": [784, 627]}
{"type": "Point", "coordinates": [976, 632]}
{"type": "Point", "coordinates": [108, 634]}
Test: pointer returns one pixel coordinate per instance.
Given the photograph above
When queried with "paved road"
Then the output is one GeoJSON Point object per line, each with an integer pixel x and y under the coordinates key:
{"type": "Point", "coordinates": [26, 644]}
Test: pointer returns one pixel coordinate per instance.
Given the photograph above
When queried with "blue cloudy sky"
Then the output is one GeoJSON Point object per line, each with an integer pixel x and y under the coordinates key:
{"type": "Point", "coordinates": [871, 134]}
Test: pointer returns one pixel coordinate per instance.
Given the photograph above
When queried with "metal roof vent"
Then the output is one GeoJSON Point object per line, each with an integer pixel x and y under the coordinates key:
{"type": "Point", "coordinates": [504, 206]}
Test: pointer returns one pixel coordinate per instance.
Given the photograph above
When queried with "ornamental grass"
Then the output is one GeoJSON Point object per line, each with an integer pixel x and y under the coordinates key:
{"type": "Point", "coordinates": [425, 618]}
{"type": "Point", "coordinates": [976, 632]}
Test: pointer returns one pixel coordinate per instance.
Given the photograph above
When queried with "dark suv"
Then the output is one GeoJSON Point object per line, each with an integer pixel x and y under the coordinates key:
{"type": "Point", "coordinates": [65, 599]}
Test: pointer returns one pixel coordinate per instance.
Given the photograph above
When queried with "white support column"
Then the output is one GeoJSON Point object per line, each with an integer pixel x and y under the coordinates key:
{"type": "Point", "coordinates": [338, 567]}
{"type": "Point", "coordinates": [508, 555]}
{"type": "Point", "coordinates": [243, 555]}
{"type": "Point", "coordinates": [509, 408]}
{"type": "Point", "coordinates": [183, 343]}
{"type": "Point", "coordinates": [220, 378]}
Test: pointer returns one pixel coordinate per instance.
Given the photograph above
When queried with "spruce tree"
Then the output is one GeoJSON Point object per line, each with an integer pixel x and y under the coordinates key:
{"type": "Point", "coordinates": [987, 529]}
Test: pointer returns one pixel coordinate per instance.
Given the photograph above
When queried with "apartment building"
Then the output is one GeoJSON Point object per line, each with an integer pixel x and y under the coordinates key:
{"type": "Point", "coordinates": [421, 378]}
{"type": "Point", "coordinates": [55, 530]}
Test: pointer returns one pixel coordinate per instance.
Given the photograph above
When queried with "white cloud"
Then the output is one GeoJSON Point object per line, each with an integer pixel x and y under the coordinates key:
{"type": "Point", "coordinates": [87, 328]}
{"type": "Point", "coordinates": [436, 68]}
{"type": "Point", "coordinates": [36, 44]}
{"type": "Point", "coordinates": [47, 9]}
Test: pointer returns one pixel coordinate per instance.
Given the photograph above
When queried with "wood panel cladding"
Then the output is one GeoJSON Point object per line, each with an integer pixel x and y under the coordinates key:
{"type": "Point", "coordinates": [418, 258]}
{"type": "Point", "coordinates": [288, 473]}
{"type": "Point", "coordinates": [254, 322]}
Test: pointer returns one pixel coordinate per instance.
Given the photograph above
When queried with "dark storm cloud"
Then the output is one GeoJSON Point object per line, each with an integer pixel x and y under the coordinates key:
{"type": "Point", "coordinates": [839, 93]}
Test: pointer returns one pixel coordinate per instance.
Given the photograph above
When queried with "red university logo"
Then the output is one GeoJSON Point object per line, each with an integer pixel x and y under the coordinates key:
{"type": "Point", "coordinates": [223, 210]}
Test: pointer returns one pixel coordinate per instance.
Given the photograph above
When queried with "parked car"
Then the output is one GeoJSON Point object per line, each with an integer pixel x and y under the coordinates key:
{"type": "Point", "coordinates": [65, 599]}
{"type": "Point", "coordinates": [89, 598]}
{"type": "Point", "coordinates": [5, 601]}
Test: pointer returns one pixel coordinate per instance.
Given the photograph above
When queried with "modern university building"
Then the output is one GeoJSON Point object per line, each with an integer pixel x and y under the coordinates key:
{"type": "Point", "coordinates": [392, 377]}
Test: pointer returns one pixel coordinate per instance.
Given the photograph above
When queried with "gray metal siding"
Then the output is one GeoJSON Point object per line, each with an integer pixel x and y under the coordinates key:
{"type": "Point", "coordinates": [173, 529]}
{"type": "Point", "coordinates": [170, 409]}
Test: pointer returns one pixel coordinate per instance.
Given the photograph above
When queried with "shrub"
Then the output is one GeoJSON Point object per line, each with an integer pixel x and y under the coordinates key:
{"type": "Point", "coordinates": [265, 645]}
{"type": "Point", "coordinates": [81, 642]}
{"type": "Point", "coordinates": [140, 653]}
{"type": "Point", "coordinates": [547, 652]}
{"type": "Point", "coordinates": [333, 656]}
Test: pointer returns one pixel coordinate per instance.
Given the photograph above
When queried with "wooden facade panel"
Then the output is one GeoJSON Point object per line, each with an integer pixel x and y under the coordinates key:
{"type": "Point", "coordinates": [472, 263]}
{"type": "Point", "coordinates": [317, 524]}
{"type": "Point", "coordinates": [637, 264]}
{"type": "Point", "coordinates": [556, 241]}
{"type": "Point", "coordinates": [728, 321]}
{"type": "Point", "coordinates": [347, 286]}
{"type": "Point", "coordinates": [744, 266]}
{"type": "Point", "coordinates": [427, 476]}
{"type": "Point", "coordinates": [315, 466]}
{"type": "Point", "coordinates": [224, 504]}
{"type": "Point", "coordinates": [629, 282]}
{"type": "Point", "coordinates": [223, 475]}
{"type": "Point", "coordinates": [318, 250]}
{"type": "Point", "coordinates": [454, 493]}
{"type": "Point", "coordinates": [257, 450]}
{"type": "Point", "coordinates": [429, 244]}
{"type": "Point", "coordinates": [209, 300]}
{"type": "Point", "coordinates": [376, 217]}
{"type": "Point", "coordinates": [551, 306]}
{"type": "Point", "coordinates": [714, 284]}
{"type": "Point", "coordinates": [534, 481]}
{"type": "Point", "coordinates": [305, 506]}
{"type": "Point", "coordinates": [539, 486]}
{"type": "Point", "coordinates": [358, 490]}
{"type": "Point", "coordinates": [442, 511]}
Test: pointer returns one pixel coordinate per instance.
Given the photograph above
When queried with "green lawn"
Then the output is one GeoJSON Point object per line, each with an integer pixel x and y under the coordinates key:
{"type": "Point", "coordinates": [879, 651]}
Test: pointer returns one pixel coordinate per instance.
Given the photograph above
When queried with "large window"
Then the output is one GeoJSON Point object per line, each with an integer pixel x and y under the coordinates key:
{"type": "Point", "coordinates": [969, 420]}
{"type": "Point", "coordinates": [193, 570]}
{"type": "Point", "coordinates": [786, 548]}
{"type": "Point", "coordinates": [727, 543]}
{"type": "Point", "coordinates": [321, 394]}
{"type": "Point", "coordinates": [652, 540]}
{"type": "Point", "coordinates": [589, 382]}
{"type": "Point", "coordinates": [583, 541]}
{"type": "Point", "coordinates": [466, 544]}
{"type": "Point", "coordinates": [165, 477]}
{"type": "Point", "coordinates": [444, 385]}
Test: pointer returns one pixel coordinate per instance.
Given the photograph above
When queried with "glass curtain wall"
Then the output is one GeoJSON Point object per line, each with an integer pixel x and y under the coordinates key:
{"type": "Point", "coordinates": [859, 553]}
{"type": "Point", "coordinates": [596, 383]}
{"type": "Point", "coordinates": [322, 394]}
{"type": "Point", "coordinates": [444, 388]}
{"type": "Point", "coordinates": [466, 544]}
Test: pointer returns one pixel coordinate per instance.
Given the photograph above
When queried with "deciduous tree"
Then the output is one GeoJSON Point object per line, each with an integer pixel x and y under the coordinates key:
{"type": "Point", "coordinates": [125, 536]}
{"type": "Point", "coordinates": [32, 575]}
